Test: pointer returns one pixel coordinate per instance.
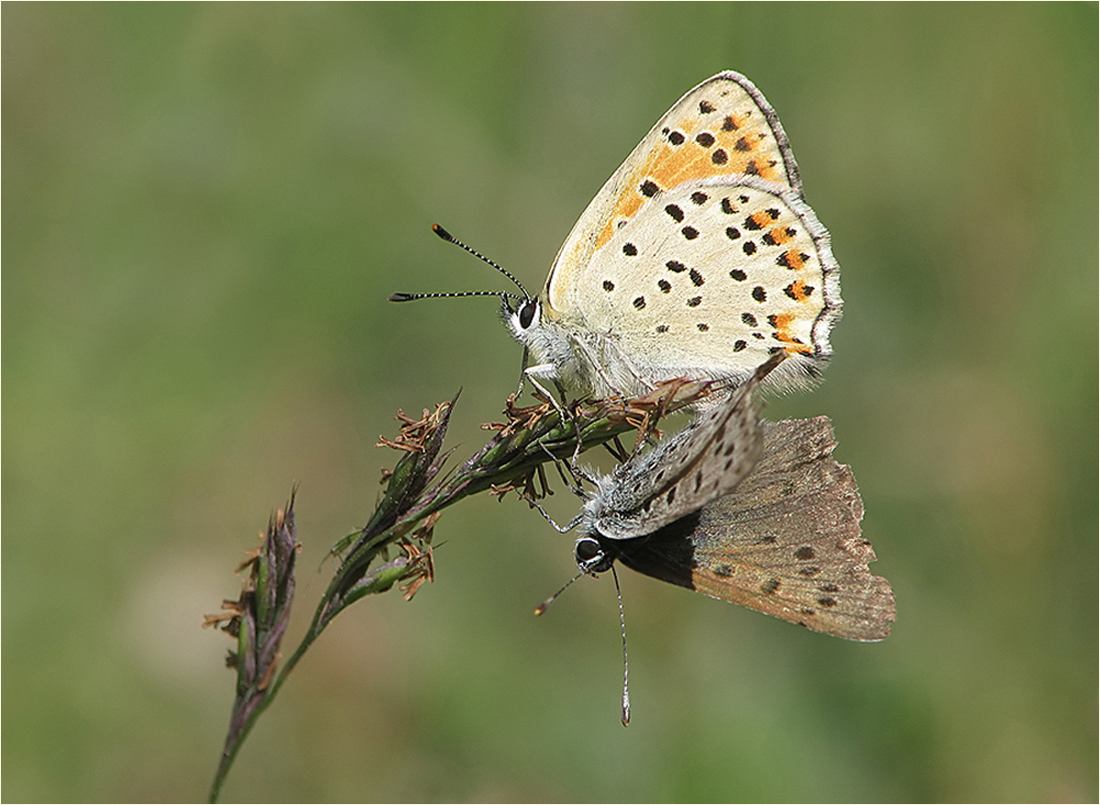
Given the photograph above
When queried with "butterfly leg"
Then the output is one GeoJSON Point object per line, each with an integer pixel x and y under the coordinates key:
{"type": "Point", "coordinates": [547, 371]}
{"type": "Point", "coordinates": [597, 366]}
{"type": "Point", "coordinates": [574, 465]}
{"type": "Point", "coordinates": [617, 358]}
{"type": "Point", "coordinates": [580, 472]}
{"type": "Point", "coordinates": [522, 372]}
{"type": "Point", "coordinates": [630, 367]}
{"type": "Point", "coordinates": [560, 529]}
{"type": "Point", "coordinates": [575, 470]}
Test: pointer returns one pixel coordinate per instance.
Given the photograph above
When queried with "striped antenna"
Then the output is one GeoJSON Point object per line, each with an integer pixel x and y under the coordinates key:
{"type": "Point", "coordinates": [546, 604]}
{"type": "Point", "coordinates": [409, 297]}
{"type": "Point", "coordinates": [447, 236]}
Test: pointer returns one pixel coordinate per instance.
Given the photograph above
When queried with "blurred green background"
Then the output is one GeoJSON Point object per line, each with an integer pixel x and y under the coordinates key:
{"type": "Point", "coordinates": [205, 208]}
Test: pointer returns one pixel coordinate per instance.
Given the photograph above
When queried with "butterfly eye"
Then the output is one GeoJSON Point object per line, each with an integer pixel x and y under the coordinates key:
{"type": "Point", "coordinates": [586, 549]}
{"type": "Point", "coordinates": [527, 313]}
{"type": "Point", "coordinates": [591, 558]}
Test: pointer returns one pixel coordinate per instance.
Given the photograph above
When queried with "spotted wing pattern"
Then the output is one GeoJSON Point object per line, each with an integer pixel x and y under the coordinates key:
{"type": "Point", "coordinates": [699, 254]}
{"type": "Point", "coordinates": [787, 542]}
{"type": "Point", "coordinates": [722, 274]}
{"type": "Point", "coordinates": [704, 461]}
{"type": "Point", "coordinates": [723, 127]}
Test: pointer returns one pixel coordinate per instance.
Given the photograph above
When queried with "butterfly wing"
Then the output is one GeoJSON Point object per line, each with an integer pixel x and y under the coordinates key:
{"type": "Point", "coordinates": [704, 461]}
{"type": "Point", "coordinates": [699, 232]}
{"type": "Point", "coordinates": [787, 542]}
{"type": "Point", "coordinates": [722, 127]}
{"type": "Point", "coordinates": [709, 282]}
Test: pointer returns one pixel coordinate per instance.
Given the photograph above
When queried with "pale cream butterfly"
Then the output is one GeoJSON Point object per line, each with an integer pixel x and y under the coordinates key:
{"type": "Point", "coordinates": [698, 258]}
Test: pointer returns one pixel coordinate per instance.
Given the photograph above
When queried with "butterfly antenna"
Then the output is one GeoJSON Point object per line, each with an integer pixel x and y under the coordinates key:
{"type": "Point", "coordinates": [546, 604]}
{"type": "Point", "coordinates": [626, 666]}
{"type": "Point", "coordinates": [447, 236]}
{"type": "Point", "coordinates": [408, 297]}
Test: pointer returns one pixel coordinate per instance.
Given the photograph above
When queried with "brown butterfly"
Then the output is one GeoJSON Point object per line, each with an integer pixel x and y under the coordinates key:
{"type": "Point", "coordinates": [786, 541]}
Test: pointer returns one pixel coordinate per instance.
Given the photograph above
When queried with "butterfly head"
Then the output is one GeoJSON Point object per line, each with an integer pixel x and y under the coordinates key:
{"type": "Point", "coordinates": [524, 318]}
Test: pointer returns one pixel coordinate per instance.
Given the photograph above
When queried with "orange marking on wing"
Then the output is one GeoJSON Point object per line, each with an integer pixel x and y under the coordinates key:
{"type": "Point", "coordinates": [671, 169]}
{"type": "Point", "coordinates": [734, 123]}
{"type": "Point", "coordinates": [688, 125]}
{"type": "Point", "coordinates": [780, 235]}
{"type": "Point", "coordinates": [804, 349]}
{"type": "Point", "coordinates": [797, 290]}
{"type": "Point", "coordinates": [764, 168]}
{"type": "Point", "coordinates": [737, 142]}
{"type": "Point", "coordinates": [742, 140]}
{"type": "Point", "coordinates": [744, 145]}
{"type": "Point", "coordinates": [693, 161]}
{"type": "Point", "coordinates": [760, 220]}
{"type": "Point", "coordinates": [792, 258]}
{"type": "Point", "coordinates": [628, 205]}
{"type": "Point", "coordinates": [668, 167]}
{"type": "Point", "coordinates": [782, 323]}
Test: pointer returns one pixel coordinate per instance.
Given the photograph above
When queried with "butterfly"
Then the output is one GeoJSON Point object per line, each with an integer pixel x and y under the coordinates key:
{"type": "Point", "coordinates": [743, 510]}
{"type": "Point", "coordinates": [747, 511]}
{"type": "Point", "coordinates": [698, 258]}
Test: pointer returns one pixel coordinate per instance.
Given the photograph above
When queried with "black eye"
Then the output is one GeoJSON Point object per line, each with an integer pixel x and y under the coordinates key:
{"type": "Point", "coordinates": [586, 549]}
{"type": "Point", "coordinates": [527, 313]}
